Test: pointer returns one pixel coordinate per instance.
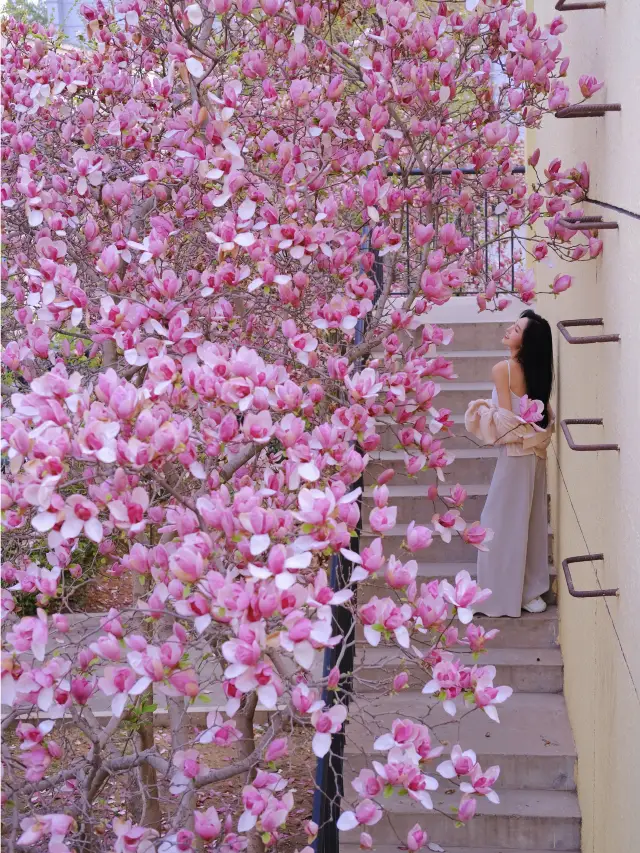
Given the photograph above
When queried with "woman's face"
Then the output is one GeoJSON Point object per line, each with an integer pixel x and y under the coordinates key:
{"type": "Point", "coordinates": [513, 335]}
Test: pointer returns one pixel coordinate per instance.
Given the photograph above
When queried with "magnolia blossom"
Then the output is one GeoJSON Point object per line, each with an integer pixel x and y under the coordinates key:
{"type": "Point", "coordinates": [326, 723]}
{"type": "Point", "coordinates": [464, 595]}
{"type": "Point", "coordinates": [218, 731]}
{"type": "Point", "coordinates": [367, 813]}
{"type": "Point", "coordinates": [531, 411]}
{"type": "Point", "coordinates": [81, 515]}
{"type": "Point", "coordinates": [118, 682]}
{"type": "Point", "coordinates": [460, 764]}
{"type": "Point", "coordinates": [448, 522]}
{"type": "Point", "coordinates": [482, 783]}
{"type": "Point", "coordinates": [485, 695]}
{"type": "Point", "coordinates": [31, 634]}
{"type": "Point", "coordinates": [477, 536]}
{"type": "Point", "coordinates": [207, 824]}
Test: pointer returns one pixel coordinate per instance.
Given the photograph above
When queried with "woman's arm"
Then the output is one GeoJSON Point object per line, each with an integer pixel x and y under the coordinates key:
{"type": "Point", "coordinates": [500, 374]}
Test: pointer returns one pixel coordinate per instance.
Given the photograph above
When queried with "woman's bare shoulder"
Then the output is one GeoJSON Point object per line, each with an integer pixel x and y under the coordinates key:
{"type": "Point", "coordinates": [500, 370]}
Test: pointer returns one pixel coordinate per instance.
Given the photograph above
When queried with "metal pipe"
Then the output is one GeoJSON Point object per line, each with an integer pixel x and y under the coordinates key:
{"type": "Point", "coordinates": [564, 325]}
{"type": "Point", "coordinates": [584, 447]}
{"type": "Point", "coordinates": [586, 593]}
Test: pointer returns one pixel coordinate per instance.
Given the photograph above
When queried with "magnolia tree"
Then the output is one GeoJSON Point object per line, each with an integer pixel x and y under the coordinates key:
{"type": "Point", "coordinates": [203, 348]}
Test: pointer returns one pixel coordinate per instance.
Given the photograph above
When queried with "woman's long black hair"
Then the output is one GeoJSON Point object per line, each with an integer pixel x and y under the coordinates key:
{"type": "Point", "coordinates": [535, 357]}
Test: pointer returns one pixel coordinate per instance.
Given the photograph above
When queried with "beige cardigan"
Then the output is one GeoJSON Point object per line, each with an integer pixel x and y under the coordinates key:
{"type": "Point", "coordinates": [494, 425]}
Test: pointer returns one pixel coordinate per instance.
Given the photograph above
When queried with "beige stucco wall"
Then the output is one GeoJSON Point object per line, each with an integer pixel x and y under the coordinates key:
{"type": "Point", "coordinates": [601, 380]}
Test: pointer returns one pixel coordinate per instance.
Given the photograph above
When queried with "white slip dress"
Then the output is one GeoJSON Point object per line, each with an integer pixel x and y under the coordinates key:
{"type": "Point", "coordinates": [516, 567]}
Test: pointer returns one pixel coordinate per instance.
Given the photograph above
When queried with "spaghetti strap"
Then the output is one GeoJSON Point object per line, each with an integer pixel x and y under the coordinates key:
{"type": "Point", "coordinates": [509, 373]}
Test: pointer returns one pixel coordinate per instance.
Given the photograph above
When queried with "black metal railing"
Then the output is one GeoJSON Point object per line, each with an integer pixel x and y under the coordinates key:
{"type": "Point", "coordinates": [483, 226]}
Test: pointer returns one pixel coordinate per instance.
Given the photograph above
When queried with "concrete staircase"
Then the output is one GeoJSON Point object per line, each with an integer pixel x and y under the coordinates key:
{"type": "Point", "coordinates": [538, 810]}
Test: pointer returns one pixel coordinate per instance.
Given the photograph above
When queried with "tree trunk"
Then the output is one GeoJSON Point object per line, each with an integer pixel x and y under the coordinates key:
{"type": "Point", "coordinates": [151, 811]}
{"type": "Point", "coordinates": [246, 745]}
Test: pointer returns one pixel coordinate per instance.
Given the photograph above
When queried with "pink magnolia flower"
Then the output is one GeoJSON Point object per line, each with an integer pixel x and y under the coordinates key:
{"type": "Point", "coordinates": [258, 427]}
{"type": "Point", "coordinates": [117, 682]}
{"type": "Point", "coordinates": [80, 514]}
{"type": "Point", "coordinates": [476, 637]}
{"type": "Point", "coordinates": [383, 519]}
{"type": "Point", "coordinates": [464, 595]}
{"type": "Point", "coordinates": [467, 808]}
{"type": "Point", "coordinates": [403, 732]}
{"type": "Point", "coordinates": [485, 695]}
{"type": "Point", "coordinates": [278, 748]}
{"type": "Point", "coordinates": [399, 575]}
{"type": "Point", "coordinates": [446, 682]}
{"type": "Point", "coordinates": [218, 731]}
{"type": "Point", "coordinates": [367, 813]}
{"type": "Point", "coordinates": [326, 723]}
{"type": "Point", "coordinates": [446, 523]}
{"type": "Point", "coordinates": [476, 535]}
{"type": "Point", "coordinates": [561, 283]}
{"type": "Point", "coordinates": [460, 764]}
{"type": "Point", "coordinates": [456, 497]}
{"type": "Point", "coordinates": [531, 411]}
{"type": "Point", "coordinates": [401, 681]}
{"type": "Point", "coordinates": [189, 767]}
{"type": "Point", "coordinates": [207, 824]}
{"type": "Point", "coordinates": [364, 385]}
{"type": "Point", "coordinates": [30, 735]}
{"type": "Point", "coordinates": [482, 783]}
{"type": "Point", "coordinates": [131, 838]}
{"type": "Point", "coordinates": [418, 537]}
{"type": "Point", "coordinates": [129, 510]}
{"type": "Point", "coordinates": [589, 85]}
{"type": "Point", "coordinates": [416, 838]}
{"type": "Point", "coordinates": [382, 614]}
{"type": "Point", "coordinates": [367, 783]}
{"type": "Point", "coordinates": [107, 647]}
{"type": "Point", "coordinates": [30, 634]}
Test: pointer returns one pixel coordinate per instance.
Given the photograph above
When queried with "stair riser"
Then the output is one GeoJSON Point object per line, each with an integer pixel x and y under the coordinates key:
{"type": "Point", "coordinates": [455, 400]}
{"type": "Point", "coordinates": [524, 678]}
{"type": "Point", "coordinates": [456, 551]}
{"type": "Point", "coordinates": [487, 336]}
{"type": "Point", "coordinates": [462, 470]}
{"type": "Point", "coordinates": [521, 772]}
{"type": "Point", "coordinates": [421, 509]}
{"type": "Point", "coordinates": [496, 831]}
{"type": "Point", "coordinates": [470, 368]}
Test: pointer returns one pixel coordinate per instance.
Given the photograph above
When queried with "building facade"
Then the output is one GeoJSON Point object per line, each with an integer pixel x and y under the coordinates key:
{"type": "Point", "coordinates": [595, 496]}
{"type": "Point", "coordinates": [65, 15]}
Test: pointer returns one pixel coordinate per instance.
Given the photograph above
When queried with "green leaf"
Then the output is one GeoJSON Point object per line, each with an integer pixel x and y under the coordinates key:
{"type": "Point", "coordinates": [149, 709]}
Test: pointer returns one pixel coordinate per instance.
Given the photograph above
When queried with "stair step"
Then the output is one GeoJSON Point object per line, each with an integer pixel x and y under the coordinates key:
{"type": "Point", "coordinates": [527, 670]}
{"type": "Point", "coordinates": [472, 464]}
{"type": "Point", "coordinates": [523, 820]}
{"type": "Point", "coordinates": [531, 630]}
{"type": "Point", "coordinates": [469, 336]}
{"type": "Point", "coordinates": [456, 395]}
{"type": "Point", "coordinates": [440, 552]}
{"type": "Point", "coordinates": [532, 743]}
{"type": "Point", "coordinates": [412, 500]}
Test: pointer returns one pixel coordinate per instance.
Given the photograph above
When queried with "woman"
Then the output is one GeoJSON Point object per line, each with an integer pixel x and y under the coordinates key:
{"type": "Point", "coordinates": [516, 566]}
